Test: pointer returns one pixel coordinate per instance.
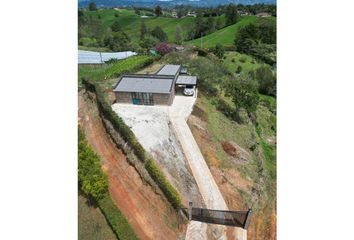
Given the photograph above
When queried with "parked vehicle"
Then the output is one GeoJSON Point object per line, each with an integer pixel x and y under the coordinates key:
{"type": "Point", "coordinates": [189, 90]}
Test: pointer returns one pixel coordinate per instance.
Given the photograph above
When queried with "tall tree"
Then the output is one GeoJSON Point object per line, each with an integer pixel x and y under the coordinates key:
{"type": "Point", "coordinates": [231, 14]}
{"type": "Point", "coordinates": [219, 50]}
{"type": "Point", "coordinates": [243, 91]}
{"type": "Point", "coordinates": [143, 30]}
{"type": "Point", "coordinates": [178, 34]}
{"type": "Point", "coordinates": [116, 26]}
{"type": "Point", "coordinates": [158, 11]}
{"type": "Point", "coordinates": [92, 6]}
{"type": "Point", "coordinates": [210, 24]}
{"type": "Point", "coordinates": [158, 33]}
{"type": "Point", "coordinates": [219, 23]}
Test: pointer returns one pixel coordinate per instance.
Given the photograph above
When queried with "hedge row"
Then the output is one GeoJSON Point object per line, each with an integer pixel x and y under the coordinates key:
{"type": "Point", "coordinates": [128, 136]}
{"type": "Point", "coordinates": [169, 191]}
{"type": "Point", "coordinates": [116, 219]}
{"type": "Point", "coordinates": [128, 65]}
{"type": "Point", "coordinates": [94, 183]}
{"type": "Point", "coordinates": [92, 179]}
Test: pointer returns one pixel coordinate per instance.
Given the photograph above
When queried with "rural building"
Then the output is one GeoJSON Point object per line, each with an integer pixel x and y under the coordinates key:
{"type": "Point", "coordinates": [153, 89]}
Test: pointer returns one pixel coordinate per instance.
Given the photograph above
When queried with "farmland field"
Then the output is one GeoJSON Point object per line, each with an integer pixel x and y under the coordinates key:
{"type": "Point", "coordinates": [130, 22]}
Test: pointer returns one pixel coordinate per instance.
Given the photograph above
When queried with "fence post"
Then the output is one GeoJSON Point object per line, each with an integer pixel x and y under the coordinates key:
{"type": "Point", "coordinates": [190, 211]}
{"type": "Point", "coordinates": [247, 221]}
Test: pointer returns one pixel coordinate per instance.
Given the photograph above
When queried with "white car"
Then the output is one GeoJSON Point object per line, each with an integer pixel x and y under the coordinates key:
{"type": "Point", "coordinates": [189, 90]}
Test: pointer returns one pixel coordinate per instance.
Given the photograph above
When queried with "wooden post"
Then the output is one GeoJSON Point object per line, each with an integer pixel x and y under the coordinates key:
{"type": "Point", "coordinates": [190, 211]}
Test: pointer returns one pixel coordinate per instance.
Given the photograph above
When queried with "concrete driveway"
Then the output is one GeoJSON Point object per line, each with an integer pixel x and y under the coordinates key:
{"type": "Point", "coordinates": [178, 114]}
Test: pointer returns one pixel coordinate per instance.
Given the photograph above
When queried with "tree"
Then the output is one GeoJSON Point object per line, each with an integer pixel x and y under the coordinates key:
{"type": "Point", "coordinates": [210, 24]}
{"type": "Point", "coordinates": [266, 80]}
{"type": "Point", "coordinates": [158, 33]}
{"type": "Point", "coordinates": [158, 11]}
{"type": "Point", "coordinates": [143, 30]}
{"type": "Point", "coordinates": [178, 34]}
{"type": "Point", "coordinates": [231, 14]}
{"type": "Point", "coordinates": [218, 24]}
{"type": "Point", "coordinates": [219, 50]}
{"type": "Point", "coordinates": [119, 42]}
{"type": "Point", "coordinates": [243, 91]}
{"type": "Point", "coordinates": [148, 42]}
{"type": "Point", "coordinates": [116, 26]}
{"type": "Point", "coordinates": [246, 38]}
{"type": "Point", "coordinates": [92, 6]}
{"type": "Point", "coordinates": [163, 48]}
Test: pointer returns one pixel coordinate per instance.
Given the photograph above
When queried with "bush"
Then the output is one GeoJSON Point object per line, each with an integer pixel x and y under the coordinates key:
{"type": "Point", "coordinates": [239, 69]}
{"type": "Point", "coordinates": [92, 180]}
{"type": "Point", "coordinates": [163, 48]}
{"type": "Point", "coordinates": [243, 59]}
{"type": "Point", "coordinates": [169, 191]}
{"type": "Point", "coordinates": [88, 42]}
{"type": "Point", "coordinates": [233, 60]}
{"type": "Point", "coordinates": [202, 52]}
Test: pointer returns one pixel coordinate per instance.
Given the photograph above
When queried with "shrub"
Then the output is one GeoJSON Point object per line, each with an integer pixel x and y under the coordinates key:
{"type": "Point", "coordinates": [239, 69]}
{"type": "Point", "coordinates": [169, 191]}
{"type": "Point", "coordinates": [233, 60]}
{"type": "Point", "coordinates": [92, 180]}
{"type": "Point", "coordinates": [163, 48]}
{"type": "Point", "coordinates": [243, 59]}
{"type": "Point", "coordinates": [202, 52]}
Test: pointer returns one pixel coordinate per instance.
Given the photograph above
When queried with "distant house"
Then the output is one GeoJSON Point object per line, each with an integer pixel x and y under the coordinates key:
{"type": "Point", "coordinates": [263, 14]}
{"type": "Point", "coordinates": [152, 89]}
{"type": "Point", "coordinates": [191, 14]}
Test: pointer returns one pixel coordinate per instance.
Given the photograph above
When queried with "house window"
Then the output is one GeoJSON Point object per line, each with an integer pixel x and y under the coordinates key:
{"type": "Point", "coordinates": [142, 98]}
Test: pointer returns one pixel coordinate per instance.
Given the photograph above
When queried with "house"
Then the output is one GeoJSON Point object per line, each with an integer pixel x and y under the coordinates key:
{"type": "Point", "coordinates": [263, 14]}
{"type": "Point", "coordinates": [153, 89]}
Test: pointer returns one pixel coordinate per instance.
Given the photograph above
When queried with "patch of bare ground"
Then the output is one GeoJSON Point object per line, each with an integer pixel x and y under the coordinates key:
{"type": "Point", "coordinates": [232, 184]}
{"type": "Point", "coordinates": [150, 215]}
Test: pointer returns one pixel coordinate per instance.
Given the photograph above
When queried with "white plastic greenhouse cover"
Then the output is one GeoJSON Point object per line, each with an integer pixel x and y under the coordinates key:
{"type": "Point", "coordinates": [89, 57]}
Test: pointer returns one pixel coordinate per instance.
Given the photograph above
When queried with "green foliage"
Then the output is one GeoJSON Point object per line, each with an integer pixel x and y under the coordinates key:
{"type": "Point", "coordinates": [88, 42]}
{"type": "Point", "coordinates": [231, 14]}
{"type": "Point", "coordinates": [92, 6]}
{"type": "Point", "coordinates": [239, 69]}
{"type": "Point", "coordinates": [158, 11]}
{"type": "Point", "coordinates": [91, 177]}
{"type": "Point", "coordinates": [243, 91]}
{"type": "Point", "coordinates": [116, 219]}
{"type": "Point", "coordinates": [119, 42]}
{"type": "Point", "coordinates": [148, 42]}
{"type": "Point", "coordinates": [266, 80]}
{"type": "Point", "coordinates": [143, 30]}
{"type": "Point", "coordinates": [178, 35]}
{"type": "Point", "coordinates": [158, 33]}
{"type": "Point", "coordinates": [169, 191]}
{"type": "Point", "coordinates": [219, 51]}
{"type": "Point", "coordinates": [127, 66]}
{"type": "Point", "coordinates": [116, 26]}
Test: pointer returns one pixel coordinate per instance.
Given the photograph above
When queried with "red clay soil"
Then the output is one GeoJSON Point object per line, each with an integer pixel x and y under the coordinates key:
{"type": "Point", "coordinates": [148, 213]}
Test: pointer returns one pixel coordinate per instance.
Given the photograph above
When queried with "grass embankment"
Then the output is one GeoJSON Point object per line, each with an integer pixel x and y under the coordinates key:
{"type": "Point", "coordinates": [130, 22]}
{"type": "Point", "coordinates": [246, 62]}
{"type": "Point", "coordinates": [101, 72]}
{"type": "Point", "coordinates": [94, 183]}
{"type": "Point", "coordinates": [92, 224]}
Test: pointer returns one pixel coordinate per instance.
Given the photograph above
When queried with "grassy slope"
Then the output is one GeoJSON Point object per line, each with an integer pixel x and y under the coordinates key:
{"type": "Point", "coordinates": [247, 62]}
{"type": "Point", "coordinates": [92, 224]}
{"type": "Point", "coordinates": [130, 22]}
{"type": "Point", "coordinates": [226, 35]}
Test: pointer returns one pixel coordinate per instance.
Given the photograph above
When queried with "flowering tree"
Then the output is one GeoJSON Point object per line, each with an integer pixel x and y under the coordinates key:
{"type": "Point", "coordinates": [163, 48]}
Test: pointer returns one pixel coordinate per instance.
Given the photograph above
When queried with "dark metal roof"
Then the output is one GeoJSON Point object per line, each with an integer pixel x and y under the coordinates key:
{"type": "Point", "coordinates": [169, 69]}
{"type": "Point", "coordinates": [186, 80]}
{"type": "Point", "coordinates": [145, 83]}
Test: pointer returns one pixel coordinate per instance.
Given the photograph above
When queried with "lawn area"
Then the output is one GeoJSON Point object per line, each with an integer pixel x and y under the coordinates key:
{"type": "Point", "coordinates": [92, 224]}
{"type": "Point", "coordinates": [235, 59]}
{"type": "Point", "coordinates": [224, 36]}
{"type": "Point", "coordinates": [130, 22]}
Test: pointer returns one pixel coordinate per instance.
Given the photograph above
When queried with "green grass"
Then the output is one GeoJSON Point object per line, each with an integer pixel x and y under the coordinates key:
{"type": "Point", "coordinates": [235, 59]}
{"type": "Point", "coordinates": [101, 72]}
{"type": "Point", "coordinates": [226, 36]}
{"type": "Point", "coordinates": [130, 22]}
{"type": "Point", "coordinates": [92, 225]}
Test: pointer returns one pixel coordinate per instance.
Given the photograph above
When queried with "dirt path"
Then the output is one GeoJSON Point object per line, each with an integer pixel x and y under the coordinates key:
{"type": "Point", "coordinates": [148, 213]}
